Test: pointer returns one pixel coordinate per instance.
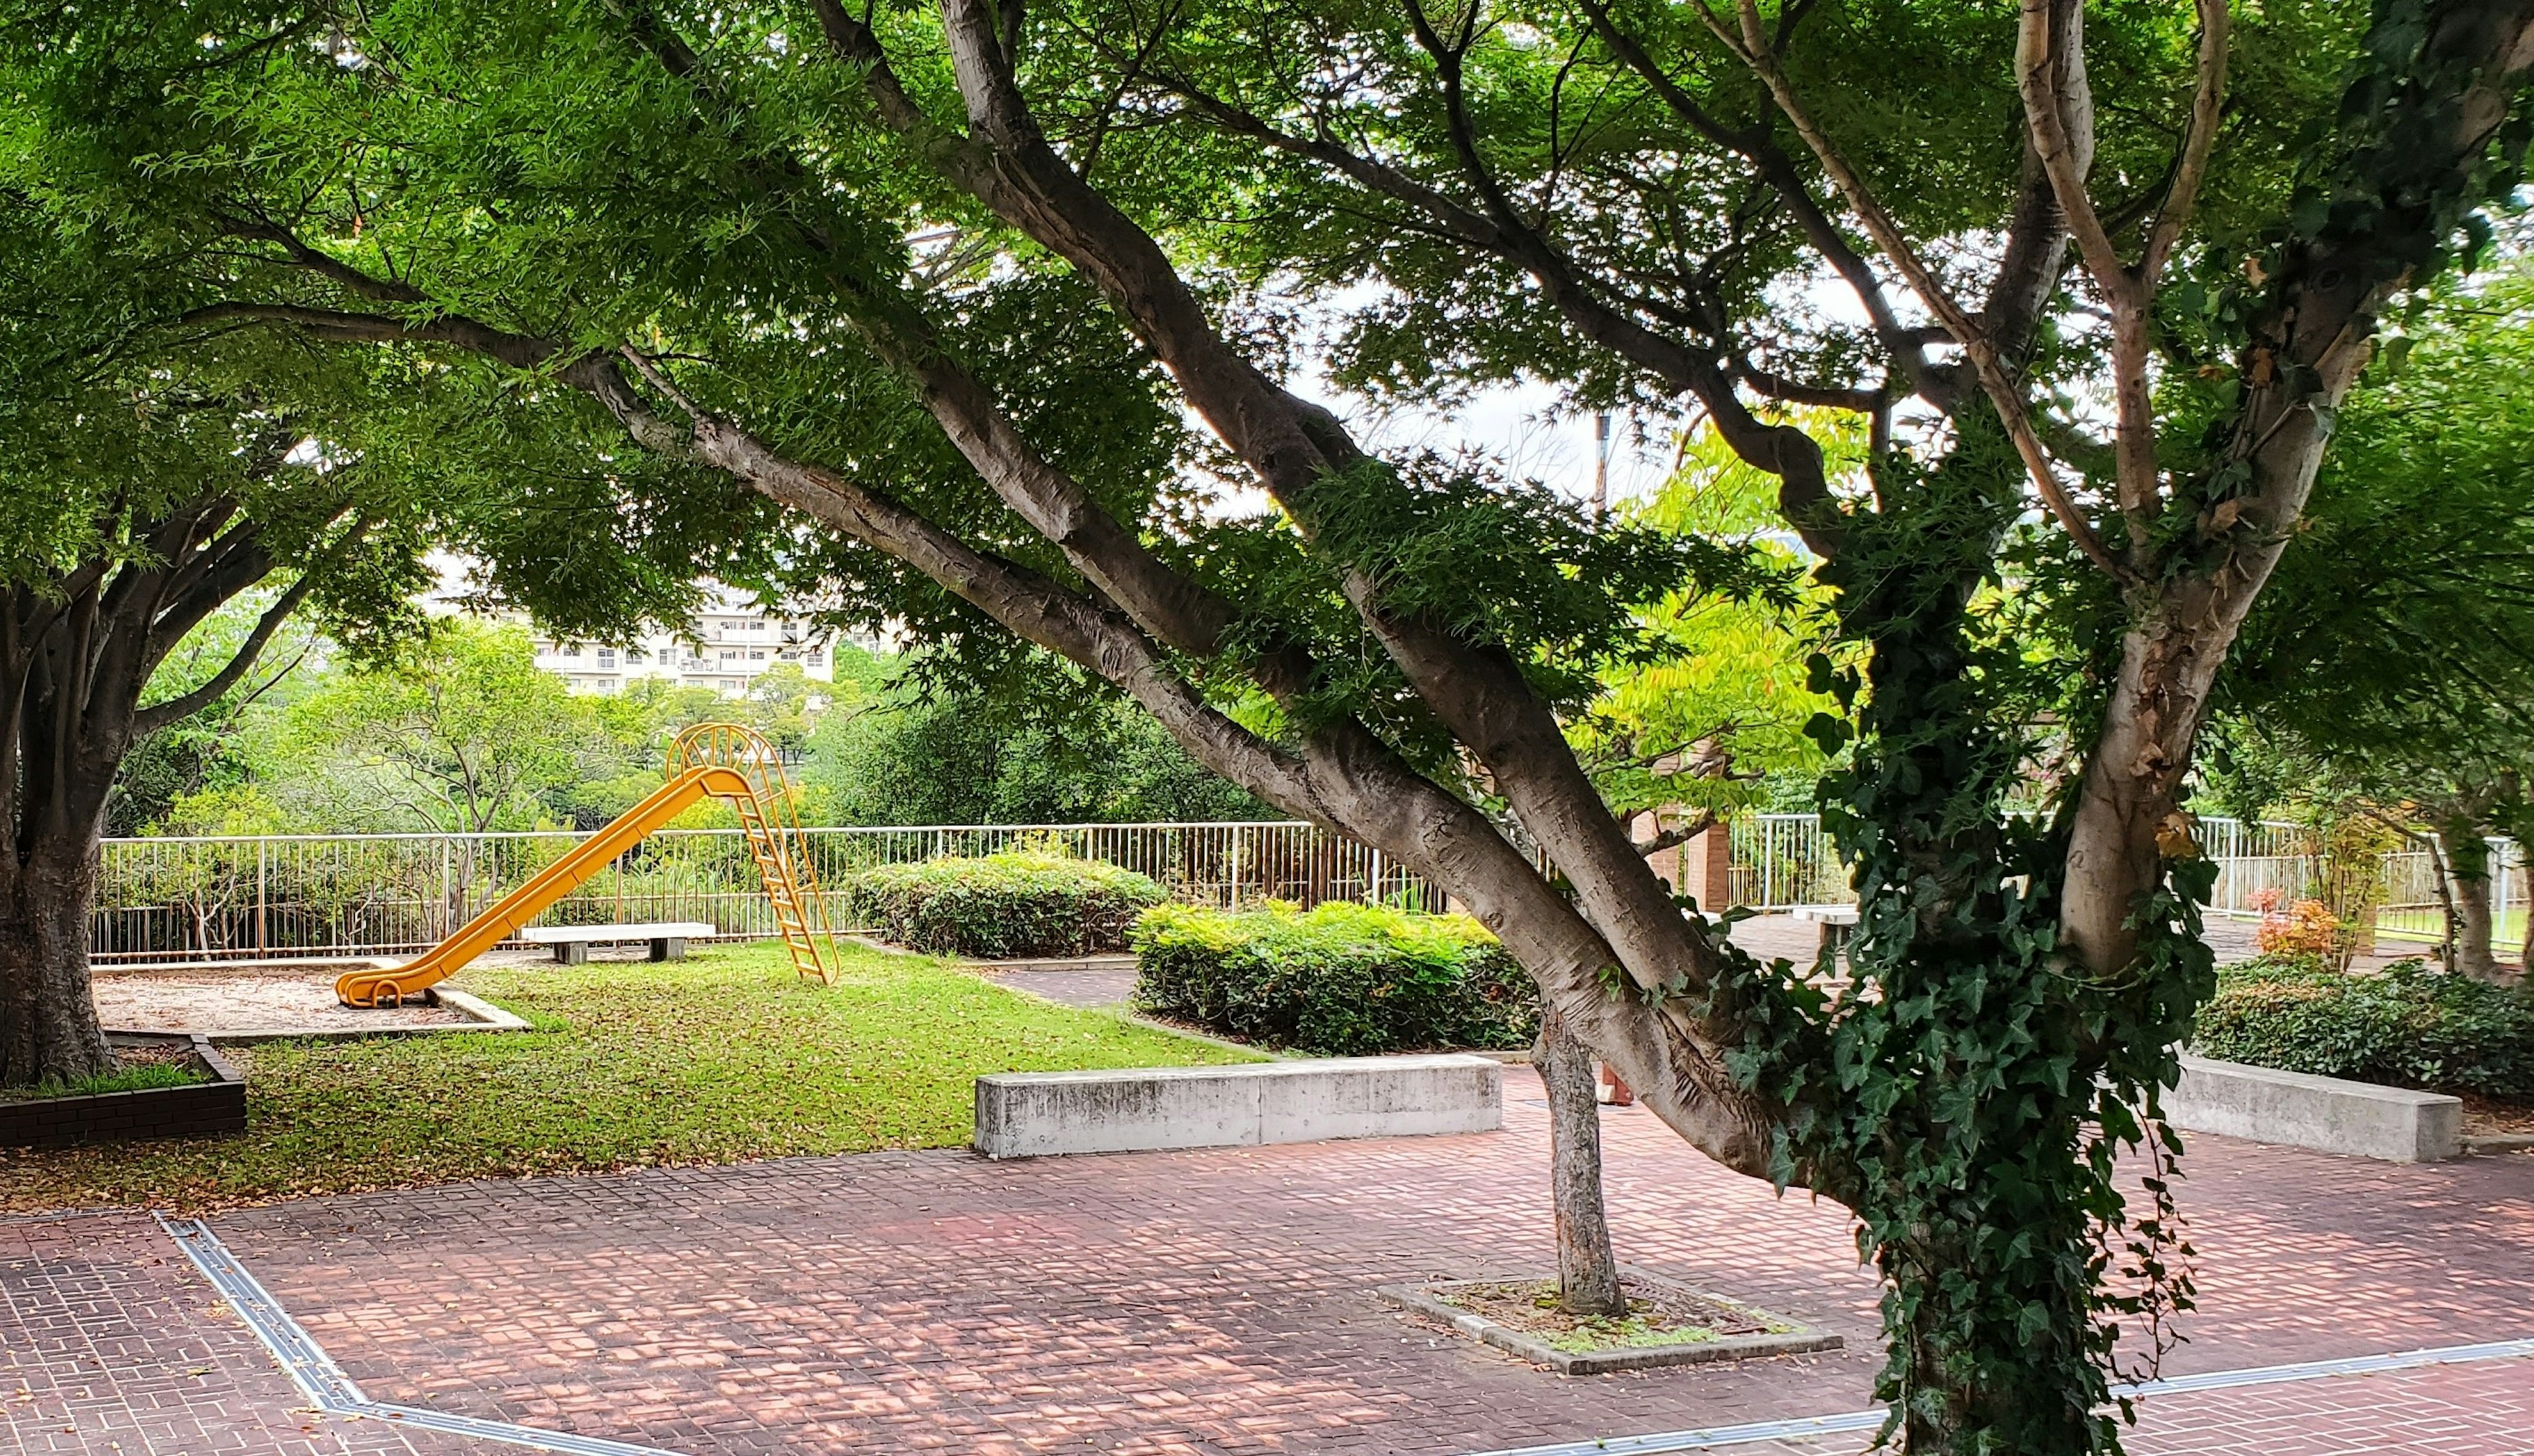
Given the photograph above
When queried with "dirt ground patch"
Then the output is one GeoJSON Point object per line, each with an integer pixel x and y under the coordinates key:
{"type": "Point", "coordinates": [297, 998]}
{"type": "Point", "coordinates": [2485, 1117]}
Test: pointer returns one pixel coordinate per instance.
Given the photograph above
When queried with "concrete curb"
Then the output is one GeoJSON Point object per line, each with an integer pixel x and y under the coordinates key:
{"type": "Point", "coordinates": [2327, 1114]}
{"type": "Point", "coordinates": [1038, 1114]}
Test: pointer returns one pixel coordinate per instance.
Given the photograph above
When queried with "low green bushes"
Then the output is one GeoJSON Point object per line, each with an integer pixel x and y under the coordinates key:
{"type": "Point", "coordinates": [1016, 903]}
{"type": "Point", "coordinates": [2406, 1026]}
{"type": "Point", "coordinates": [1339, 980]}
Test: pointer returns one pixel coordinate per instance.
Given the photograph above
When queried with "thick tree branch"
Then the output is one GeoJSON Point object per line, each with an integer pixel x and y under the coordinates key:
{"type": "Point", "coordinates": [177, 709]}
{"type": "Point", "coordinates": [2004, 394]}
{"type": "Point", "coordinates": [2207, 109]}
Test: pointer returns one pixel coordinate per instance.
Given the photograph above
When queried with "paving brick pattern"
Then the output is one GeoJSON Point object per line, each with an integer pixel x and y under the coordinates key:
{"type": "Point", "coordinates": [110, 1342]}
{"type": "Point", "coordinates": [1220, 1301]}
{"type": "Point", "coordinates": [1170, 1305]}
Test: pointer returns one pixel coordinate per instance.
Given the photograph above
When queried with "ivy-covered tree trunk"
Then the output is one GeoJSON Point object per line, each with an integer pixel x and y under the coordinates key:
{"type": "Point", "coordinates": [1587, 1269]}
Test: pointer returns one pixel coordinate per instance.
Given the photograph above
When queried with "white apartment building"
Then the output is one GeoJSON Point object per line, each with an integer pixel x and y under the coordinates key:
{"type": "Point", "coordinates": [729, 646]}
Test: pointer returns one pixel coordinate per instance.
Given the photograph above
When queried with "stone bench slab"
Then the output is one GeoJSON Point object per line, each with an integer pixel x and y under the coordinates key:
{"type": "Point", "coordinates": [1038, 1114]}
{"type": "Point", "coordinates": [2325, 1113]}
{"type": "Point", "coordinates": [572, 942]}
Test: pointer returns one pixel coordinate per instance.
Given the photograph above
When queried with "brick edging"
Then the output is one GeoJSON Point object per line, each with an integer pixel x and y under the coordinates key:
{"type": "Point", "coordinates": [206, 1109]}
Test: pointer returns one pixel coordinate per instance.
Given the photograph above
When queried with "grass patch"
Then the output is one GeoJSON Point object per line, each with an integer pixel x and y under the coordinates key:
{"type": "Point", "coordinates": [719, 1059]}
{"type": "Point", "coordinates": [1659, 1314]}
{"type": "Point", "coordinates": [139, 1078]}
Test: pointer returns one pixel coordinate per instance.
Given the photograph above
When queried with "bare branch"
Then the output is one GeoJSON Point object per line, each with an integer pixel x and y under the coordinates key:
{"type": "Point", "coordinates": [2207, 107]}
{"type": "Point", "coordinates": [2003, 391]}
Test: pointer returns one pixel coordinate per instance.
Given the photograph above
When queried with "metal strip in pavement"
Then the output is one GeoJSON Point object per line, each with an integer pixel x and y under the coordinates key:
{"type": "Point", "coordinates": [1658, 1443]}
{"type": "Point", "coordinates": [323, 1382]}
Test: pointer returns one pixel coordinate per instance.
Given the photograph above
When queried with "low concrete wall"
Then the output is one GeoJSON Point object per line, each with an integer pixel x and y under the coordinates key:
{"type": "Point", "coordinates": [2324, 1113]}
{"type": "Point", "coordinates": [1034, 1114]}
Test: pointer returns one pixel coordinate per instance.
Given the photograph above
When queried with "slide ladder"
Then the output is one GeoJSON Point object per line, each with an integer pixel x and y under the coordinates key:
{"type": "Point", "coordinates": [719, 760]}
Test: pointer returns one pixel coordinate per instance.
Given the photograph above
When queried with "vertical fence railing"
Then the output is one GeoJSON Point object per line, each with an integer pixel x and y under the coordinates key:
{"type": "Point", "coordinates": [1784, 860]}
{"type": "Point", "coordinates": [350, 894]}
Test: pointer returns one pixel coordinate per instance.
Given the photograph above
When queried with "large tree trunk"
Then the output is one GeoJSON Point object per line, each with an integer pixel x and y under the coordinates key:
{"type": "Point", "coordinates": [2468, 880]}
{"type": "Point", "coordinates": [48, 1025]}
{"type": "Point", "coordinates": [1588, 1270]}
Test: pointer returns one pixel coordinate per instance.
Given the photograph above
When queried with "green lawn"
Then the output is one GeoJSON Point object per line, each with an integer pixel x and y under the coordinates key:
{"type": "Point", "coordinates": [722, 1058]}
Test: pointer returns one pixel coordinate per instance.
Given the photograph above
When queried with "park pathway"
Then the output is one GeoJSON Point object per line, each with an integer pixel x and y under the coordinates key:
{"type": "Point", "coordinates": [1175, 1303]}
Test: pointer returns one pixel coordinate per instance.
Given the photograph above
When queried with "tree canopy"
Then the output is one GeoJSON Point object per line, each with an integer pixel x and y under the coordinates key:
{"type": "Point", "coordinates": [977, 318]}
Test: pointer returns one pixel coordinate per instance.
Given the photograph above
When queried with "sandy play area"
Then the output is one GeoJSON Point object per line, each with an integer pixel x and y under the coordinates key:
{"type": "Point", "coordinates": [247, 998]}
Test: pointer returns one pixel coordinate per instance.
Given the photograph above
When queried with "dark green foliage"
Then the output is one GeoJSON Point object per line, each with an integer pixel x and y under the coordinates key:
{"type": "Point", "coordinates": [1979, 1092]}
{"type": "Point", "coordinates": [1342, 980]}
{"type": "Point", "coordinates": [2406, 1026]}
{"type": "Point", "coordinates": [1019, 902]}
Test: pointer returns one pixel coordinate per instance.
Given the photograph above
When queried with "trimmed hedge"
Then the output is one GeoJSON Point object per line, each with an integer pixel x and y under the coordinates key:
{"type": "Point", "coordinates": [1016, 903]}
{"type": "Point", "coordinates": [2406, 1026]}
{"type": "Point", "coordinates": [1342, 980]}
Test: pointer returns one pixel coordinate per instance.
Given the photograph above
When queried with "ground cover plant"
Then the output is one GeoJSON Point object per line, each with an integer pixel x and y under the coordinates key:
{"type": "Point", "coordinates": [1023, 902]}
{"type": "Point", "coordinates": [720, 1058]}
{"type": "Point", "coordinates": [2407, 1025]}
{"type": "Point", "coordinates": [138, 1079]}
{"type": "Point", "coordinates": [1341, 980]}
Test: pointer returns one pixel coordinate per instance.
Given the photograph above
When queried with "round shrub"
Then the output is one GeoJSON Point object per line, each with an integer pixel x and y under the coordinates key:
{"type": "Point", "coordinates": [1342, 980]}
{"type": "Point", "coordinates": [1016, 903]}
{"type": "Point", "coordinates": [2406, 1025]}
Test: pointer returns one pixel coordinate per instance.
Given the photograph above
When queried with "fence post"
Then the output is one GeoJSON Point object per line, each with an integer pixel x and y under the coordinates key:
{"type": "Point", "coordinates": [263, 853]}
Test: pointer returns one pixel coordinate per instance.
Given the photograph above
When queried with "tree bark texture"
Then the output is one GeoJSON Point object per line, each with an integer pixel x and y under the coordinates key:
{"type": "Point", "coordinates": [48, 1025]}
{"type": "Point", "coordinates": [1588, 1270]}
{"type": "Point", "coordinates": [2468, 866]}
{"type": "Point", "coordinates": [77, 653]}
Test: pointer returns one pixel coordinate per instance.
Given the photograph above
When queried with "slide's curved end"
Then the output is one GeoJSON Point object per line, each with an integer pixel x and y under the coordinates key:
{"type": "Point", "coordinates": [384, 985]}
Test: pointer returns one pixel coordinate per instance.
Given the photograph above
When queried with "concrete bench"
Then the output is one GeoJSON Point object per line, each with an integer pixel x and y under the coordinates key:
{"type": "Point", "coordinates": [1035, 1114]}
{"type": "Point", "coordinates": [572, 942]}
{"type": "Point", "coordinates": [2325, 1113]}
{"type": "Point", "coordinates": [1837, 923]}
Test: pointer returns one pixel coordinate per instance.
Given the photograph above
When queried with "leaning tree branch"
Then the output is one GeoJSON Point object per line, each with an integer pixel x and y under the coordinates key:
{"type": "Point", "coordinates": [1749, 44]}
{"type": "Point", "coordinates": [2207, 109]}
{"type": "Point", "coordinates": [1778, 170]}
{"type": "Point", "coordinates": [176, 709]}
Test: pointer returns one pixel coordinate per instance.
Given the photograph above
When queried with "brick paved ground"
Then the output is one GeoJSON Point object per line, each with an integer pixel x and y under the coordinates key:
{"type": "Point", "coordinates": [1219, 1301]}
{"type": "Point", "coordinates": [1210, 1302]}
{"type": "Point", "coordinates": [110, 1343]}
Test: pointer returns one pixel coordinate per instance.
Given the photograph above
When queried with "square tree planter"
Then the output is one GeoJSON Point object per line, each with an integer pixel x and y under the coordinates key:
{"type": "Point", "coordinates": [1780, 1335]}
{"type": "Point", "coordinates": [204, 1109]}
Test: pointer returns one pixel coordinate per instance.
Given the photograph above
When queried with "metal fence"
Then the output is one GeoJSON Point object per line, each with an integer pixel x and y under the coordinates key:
{"type": "Point", "coordinates": [358, 894]}
{"type": "Point", "coordinates": [1782, 860]}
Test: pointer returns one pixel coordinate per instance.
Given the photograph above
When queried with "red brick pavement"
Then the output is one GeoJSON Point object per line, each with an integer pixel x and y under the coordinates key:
{"type": "Point", "coordinates": [110, 1343]}
{"type": "Point", "coordinates": [1219, 1300]}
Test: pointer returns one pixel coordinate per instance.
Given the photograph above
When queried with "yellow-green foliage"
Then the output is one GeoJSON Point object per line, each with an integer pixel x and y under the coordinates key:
{"type": "Point", "coordinates": [1737, 673]}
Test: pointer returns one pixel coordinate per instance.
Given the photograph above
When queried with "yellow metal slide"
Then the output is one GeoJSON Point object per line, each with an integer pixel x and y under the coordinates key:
{"type": "Point", "coordinates": [719, 759]}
